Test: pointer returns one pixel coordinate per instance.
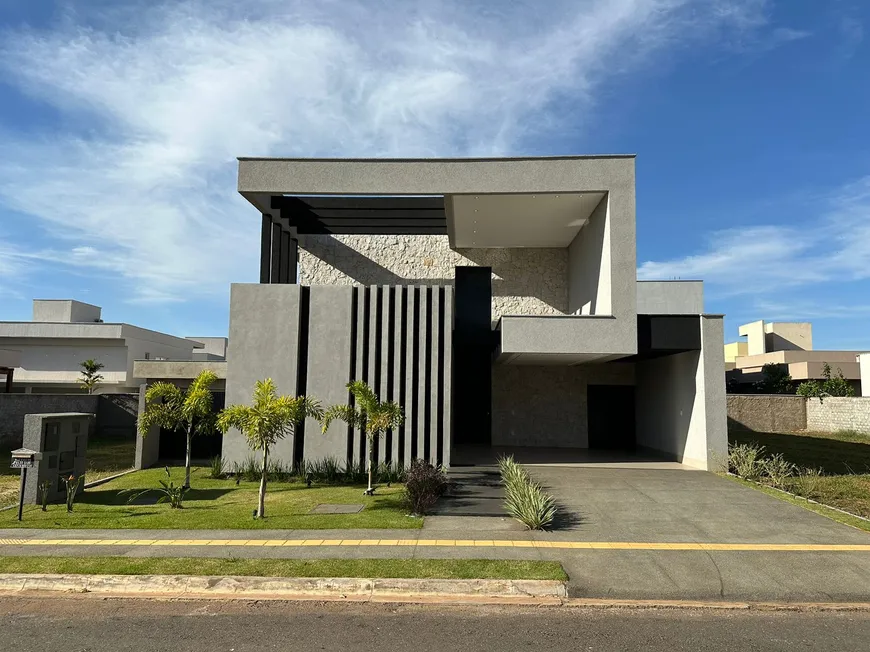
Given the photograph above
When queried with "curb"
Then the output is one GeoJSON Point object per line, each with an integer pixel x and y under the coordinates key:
{"type": "Point", "coordinates": [280, 588]}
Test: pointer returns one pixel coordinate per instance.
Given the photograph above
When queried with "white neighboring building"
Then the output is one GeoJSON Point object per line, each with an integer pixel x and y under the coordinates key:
{"type": "Point", "coordinates": [864, 366]}
{"type": "Point", "coordinates": [64, 333]}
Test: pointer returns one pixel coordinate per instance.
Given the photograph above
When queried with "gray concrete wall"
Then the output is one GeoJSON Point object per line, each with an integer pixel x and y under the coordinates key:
{"type": "Point", "coordinates": [546, 406]}
{"type": "Point", "coordinates": [147, 447]}
{"type": "Point", "coordinates": [680, 407]}
{"type": "Point", "coordinates": [525, 281]}
{"type": "Point", "coordinates": [329, 364]}
{"type": "Point", "coordinates": [839, 413]}
{"type": "Point", "coordinates": [767, 412]}
{"type": "Point", "coordinates": [670, 297]}
{"type": "Point", "coordinates": [116, 414]}
{"type": "Point", "coordinates": [396, 339]}
{"type": "Point", "coordinates": [64, 452]}
{"type": "Point", "coordinates": [264, 342]}
{"type": "Point", "coordinates": [564, 337]}
{"type": "Point", "coordinates": [589, 265]}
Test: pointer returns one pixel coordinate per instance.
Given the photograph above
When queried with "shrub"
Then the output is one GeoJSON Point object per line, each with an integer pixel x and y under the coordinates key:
{"type": "Point", "coordinates": [777, 470]}
{"type": "Point", "coordinates": [424, 485]}
{"type": "Point", "coordinates": [745, 460]}
{"type": "Point", "coordinates": [830, 386]}
{"type": "Point", "coordinates": [807, 483]}
{"type": "Point", "coordinates": [389, 473]}
{"type": "Point", "coordinates": [248, 470]}
{"type": "Point", "coordinates": [217, 468]}
{"type": "Point", "coordinates": [72, 487]}
{"type": "Point", "coordinates": [172, 494]}
{"type": "Point", "coordinates": [329, 470]}
{"type": "Point", "coordinates": [526, 501]}
{"type": "Point", "coordinates": [44, 489]}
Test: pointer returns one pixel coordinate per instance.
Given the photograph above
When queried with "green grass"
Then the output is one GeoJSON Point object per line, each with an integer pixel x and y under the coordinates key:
{"type": "Point", "coordinates": [846, 519]}
{"type": "Point", "coordinates": [106, 456]}
{"type": "Point", "coordinates": [218, 504]}
{"type": "Point", "coordinates": [367, 568]}
{"type": "Point", "coordinates": [843, 456]}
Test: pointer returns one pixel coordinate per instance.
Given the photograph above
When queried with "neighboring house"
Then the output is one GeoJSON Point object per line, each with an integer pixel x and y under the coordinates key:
{"type": "Point", "coordinates": [64, 333]}
{"type": "Point", "coordinates": [784, 343]}
{"type": "Point", "coordinates": [495, 299]}
{"type": "Point", "coordinates": [9, 361]}
{"type": "Point", "coordinates": [864, 366]}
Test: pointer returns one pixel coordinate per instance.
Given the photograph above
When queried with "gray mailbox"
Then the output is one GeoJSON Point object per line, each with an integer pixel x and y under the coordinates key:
{"type": "Point", "coordinates": [62, 441]}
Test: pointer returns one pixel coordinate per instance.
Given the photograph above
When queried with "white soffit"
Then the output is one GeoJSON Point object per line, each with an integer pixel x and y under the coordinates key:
{"type": "Point", "coordinates": [522, 220]}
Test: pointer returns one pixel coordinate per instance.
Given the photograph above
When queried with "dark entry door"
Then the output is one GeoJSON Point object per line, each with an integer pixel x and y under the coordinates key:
{"type": "Point", "coordinates": [472, 356]}
{"type": "Point", "coordinates": [610, 410]}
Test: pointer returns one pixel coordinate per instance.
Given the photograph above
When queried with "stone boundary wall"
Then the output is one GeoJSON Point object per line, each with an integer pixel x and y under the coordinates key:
{"type": "Point", "coordinates": [767, 412]}
{"type": "Point", "coordinates": [116, 413]}
{"type": "Point", "coordinates": [833, 414]}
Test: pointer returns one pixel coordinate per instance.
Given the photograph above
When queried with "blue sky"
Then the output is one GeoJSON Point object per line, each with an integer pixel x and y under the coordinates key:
{"type": "Point", "coordinates": [120, 123]}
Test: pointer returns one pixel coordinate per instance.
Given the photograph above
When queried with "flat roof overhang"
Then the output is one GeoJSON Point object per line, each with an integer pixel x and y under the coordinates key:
{"type": "Point", "coordinates": [505, 202]}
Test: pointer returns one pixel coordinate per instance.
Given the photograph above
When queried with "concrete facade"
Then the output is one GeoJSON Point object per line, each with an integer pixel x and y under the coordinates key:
{"type": "Point", "coordinates": [526, 281]}
{"type": "Point", "coordinates": [547, 406]}
{"type": "Point", "coordinates": [670, 297]}
{"type": "Point", "coordinates": [379, 242]}
{"type": "Point", "coordinates": [681, 402]}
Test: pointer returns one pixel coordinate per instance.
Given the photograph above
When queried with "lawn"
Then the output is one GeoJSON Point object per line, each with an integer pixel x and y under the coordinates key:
{"type": "Point", "coordinates": [218, 504]}
{"type": "Point", "coordinates": [106, 456]}
{"type": "Point", "coordinates": [844, 458]}
{"type": "Point", "coordinates": [367, 568]}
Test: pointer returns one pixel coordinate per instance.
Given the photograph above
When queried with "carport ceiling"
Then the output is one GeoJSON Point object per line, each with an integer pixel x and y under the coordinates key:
{"type": "Point", "coordinates": [540, 220]}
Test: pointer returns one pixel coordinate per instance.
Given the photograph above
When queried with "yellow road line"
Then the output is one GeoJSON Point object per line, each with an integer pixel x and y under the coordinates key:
{"type": "Point", "coordinates": [453, 543]}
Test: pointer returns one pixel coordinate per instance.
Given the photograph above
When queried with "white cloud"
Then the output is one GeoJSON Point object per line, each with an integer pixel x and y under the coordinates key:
{"type": "Point", "coordinates": [766, 260]}
{"type": "Point", "coordinates": [137, 180]}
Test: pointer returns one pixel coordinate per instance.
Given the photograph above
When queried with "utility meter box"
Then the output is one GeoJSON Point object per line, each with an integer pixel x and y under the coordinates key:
{"type": "Point", "coordinates": [62, 441]}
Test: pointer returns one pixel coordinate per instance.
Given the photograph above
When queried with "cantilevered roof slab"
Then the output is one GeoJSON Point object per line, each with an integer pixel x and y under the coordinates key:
{"type": "Point", "coordinates": [505, 202]}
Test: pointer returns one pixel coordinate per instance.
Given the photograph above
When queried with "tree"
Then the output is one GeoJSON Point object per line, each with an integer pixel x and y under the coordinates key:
{"type": "Point", "coordinates": [167, 406]}
{"type": "Point", "coordinates": [90, 375]}
{"type": "Point", "coordinates": [267, 421]}
{"type": "Point", "coordinates": [775, 380]}
{"type": "Point", "coordinates": [372, 415]}
{"type": "Point", "coordinates": [830, 386]}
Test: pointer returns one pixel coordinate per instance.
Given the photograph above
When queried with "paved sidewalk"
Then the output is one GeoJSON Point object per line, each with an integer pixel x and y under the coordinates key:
{"type": "Point", "coordinates": [639, 534]}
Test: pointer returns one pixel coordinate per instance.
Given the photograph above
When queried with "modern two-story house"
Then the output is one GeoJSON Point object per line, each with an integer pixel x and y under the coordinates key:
{"type": "Point", "coordinates": [495, 299]}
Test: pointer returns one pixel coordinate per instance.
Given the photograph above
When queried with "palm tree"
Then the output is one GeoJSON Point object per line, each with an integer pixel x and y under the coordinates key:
{"type": "Point", "coordinates": [167, 406]}
{"type": "Point", "coordinates": [91, 376]}
{"type": "Point", "coordinates": [268, 420]}
{"type": "Point", "coordinates": [369, 413]}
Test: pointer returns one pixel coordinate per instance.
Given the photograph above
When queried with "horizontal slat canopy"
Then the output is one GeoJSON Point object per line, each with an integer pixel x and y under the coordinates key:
{"type": "Point", "coordinates": [372, 215]}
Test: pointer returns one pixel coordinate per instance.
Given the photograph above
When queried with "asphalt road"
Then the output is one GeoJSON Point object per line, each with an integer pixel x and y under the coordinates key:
{"type": "Point", "coordinates": [89, 624]}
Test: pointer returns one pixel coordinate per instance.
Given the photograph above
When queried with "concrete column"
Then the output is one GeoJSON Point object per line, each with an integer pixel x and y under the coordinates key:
{"type": "Point", "coordinates": [275, 266]}
{"type": "Point", "coordinates": [283, 273]}
{"type": "Point", "coordinates": [435, 388]}
{"type": "Point", "coordinates": [358, 442]}
{"type": "Point", "coordinates": [265, 248]}
{"type": "Point", "coordinates": [292, 260]}
{"type": "Point", "coordinates": [447, 361]}
{"type": "Point", "coordinates": [410, 387]}
{"type": "Point", "coordinates": [329, 349]}
{"type": "Point", "coordinates": [147, 447]}
{"type": "Point", "coordinates": [712, 362]}
{"type": "Point", "coordinates": [423, 395]}
{"type": "Point", "coordinates": [264, 331]}
{"type": "Point", "coordinates": [398, 378]}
